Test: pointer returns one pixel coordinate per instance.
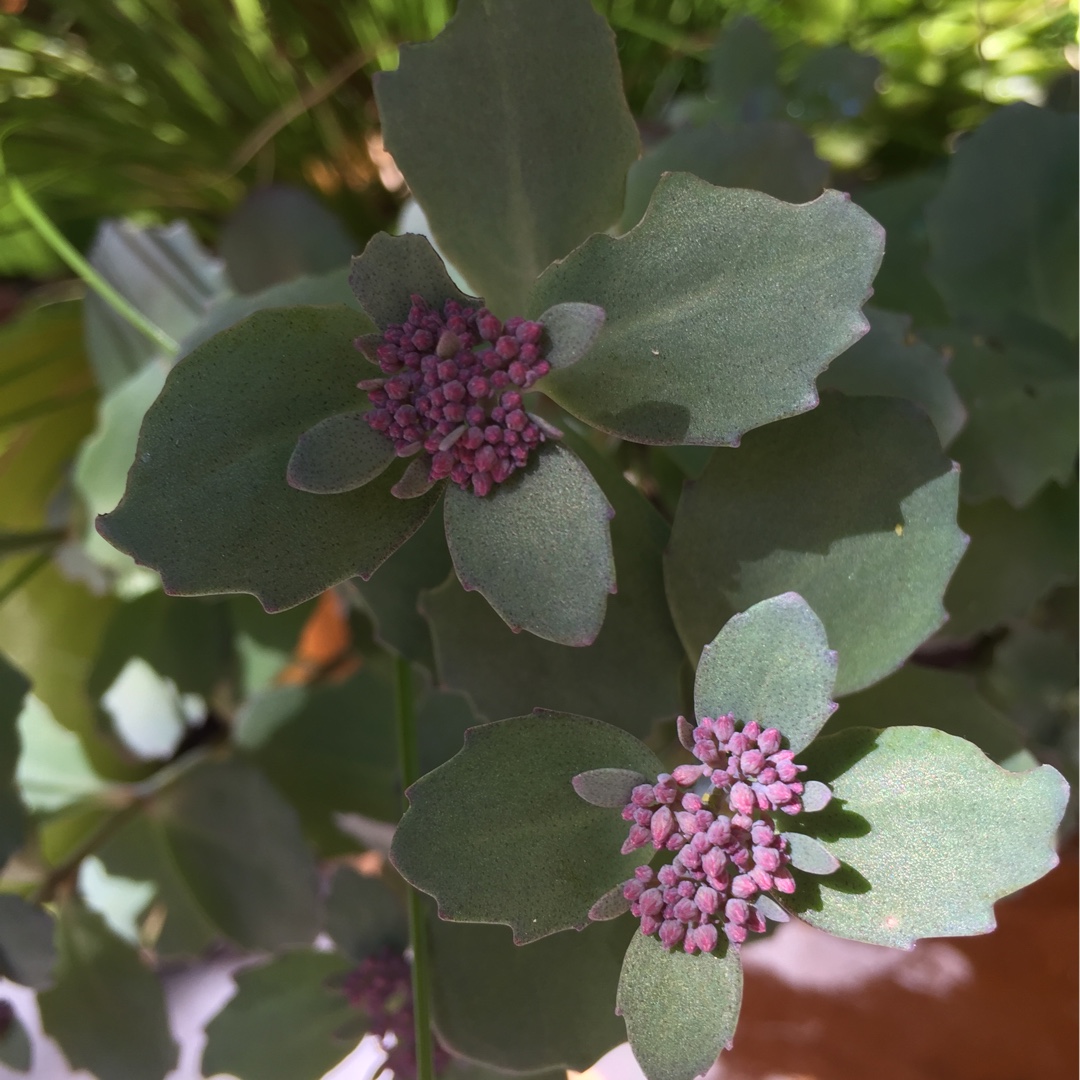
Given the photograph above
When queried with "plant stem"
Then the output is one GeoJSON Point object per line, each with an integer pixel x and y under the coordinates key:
{"type": "Point", "coordinates": [409, 759]}
{"type": "Point", "coordinates": [52, 236]}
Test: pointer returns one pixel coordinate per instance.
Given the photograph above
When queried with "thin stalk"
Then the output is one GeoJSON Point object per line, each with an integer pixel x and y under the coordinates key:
{"type": "Point", "coordinates": [52, 236]}
{"type": "Point", "coordinates": [409, 759]}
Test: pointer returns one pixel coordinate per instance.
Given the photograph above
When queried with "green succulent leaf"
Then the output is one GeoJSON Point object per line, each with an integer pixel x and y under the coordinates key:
{"type": "Point", "coordinates": [742, 72]}
{"type": "Point", "coordinates": [207, 502]}
{"type": "Point", "coordinates": [281, 233]}
{"type": "Point", "coordinates": [545, 1005]}
{"type": "Point", "coordinates": [121, 1034]}
{"type": "Point", "coordinates": [772, 664]}
{"type": "Point", "coordinates": [810, 855]}
{"type": "Point", "coordinates": [629, 676]}
{"type": "Point", "coordinates": [1015, 558]}
{"type": "Point", "coordinates": [680, 1010]}
{"type": "Point", "coordinates": [607, 787]}
{"type": "Point", "coordinates": [946, 700]}
{"type": "Point", "coordinates": [1022, 426]}
{"type": "Point", "coordinates": [535, 90]}
{"type": "Point", "coordinates": [340, 453]}
{"type": "Point", "coordinates": [889, 362]}
{"type": "Point", "coordinates": [852, 506]}
{"type": "Point", "coordinates": [571, 330]}
{"type": "Point", "coordinates": [538, 548]}
{"type": "Point", "coordinates": [16, 1051]}
{"type": "Point", "coordinates": [13, 689]}
{"type": "Point", "coordinates": [835, 83]}
{"type": "Point", "coordinates": [498, 841]}
{"type": "Point", "coordinates": [363, 915]}
{"type": "Point", "coordinates": [392, 269]}
{"type": "Point", "coordinates": [239, 848]}
{"type": "Point", "coordinates": [282, 1021]}
{"type": "Point", "coordinates": [722, 308]}
{"type": "Point", "coordinates": [1003, 228]}
{"type": "Point", "coordinates": [770, 156]}
{"type": "Point", "coordinates": [930, 833]}
{"type": "Point", "coordinates": [27, 952]}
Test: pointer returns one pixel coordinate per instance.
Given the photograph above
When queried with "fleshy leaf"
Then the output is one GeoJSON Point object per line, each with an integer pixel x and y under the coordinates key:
{"type": "Point", "coordinates": [889, 362]}
{"type": "Point", "coordinates": [392, 269]}
{"type": "Point", "coordinates": [207, 502]}
{"type": "Point", "coordinates": [571, 330]}
{"type": "Point", "coordinates": [607, 787]}
{"type": "Point", "coordinates": [13, 688]}
{"type": "Point", "coordinates": [610, 906]}
{"type": "Point", "coordinates": [415, 480]}
{"type": "Point", "coordinates": [538, 548]}
{"type": "Point", "coordinates": [1022, 426]}
{"type": "Point", "coordinates": [852, 506]}
{"type": "Point", "coordinates": [363, 915]}
{"type": "Point", "coordinates": [27, 952]}
{"type": "Point", "coordinates": [810, 855]}
{"type": "Point", "coordinates": [16, 1050]}
{"type": "Point", "coordinates": [815, 796]}
{"type": "Point", "coordinates": [770, 156]}
{"type": "Point", "coordinates": [769, 908]}
{"type": "Point", "coordinates": [946, 700]}
{"type": "Point", "coordinates": [771, 664]}
{"type": "Point", "coordinates": [629, 676]}
{"type": "Point", "coordinates": [338, 454]}
{"type": "Point", "coordinates": [281, 1023]}
{"type": "Point", "coordinates": [1003, 228]}
{"type": "Point", "coordinates": [743, 71]}
{"type": "Point", "coordinates": [723, 306]}
{"type": "Point", "coordinates": [238, 845]}
{"type": "Point", "coordinates": [121, 1034]}
{"type": "Point", "coordinates": [548, 1004]}
{"type": "Point", "coordinates": [1015, 558]}
{"type": "Point", "coordinates": [680, 1010]}
{"type": "Point", "coordinates": [535, 91]}
{"type": "Point", "coordinates": [498, 833]}
{"type": "Point", "coordinates": [930, 832]}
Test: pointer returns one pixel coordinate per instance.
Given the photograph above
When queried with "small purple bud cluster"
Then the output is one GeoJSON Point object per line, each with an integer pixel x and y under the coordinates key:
{"type": "Point", "coordinates": [454, 390]}
{"type": "Point", "coordinates": [381, 988]}
{"type": "Point", "coordinates": [716, 817]}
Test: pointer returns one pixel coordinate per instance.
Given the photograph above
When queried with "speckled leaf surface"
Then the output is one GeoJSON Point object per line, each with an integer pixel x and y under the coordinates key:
{"type": "Point", "coordinates": [770, 156]}
{"type": "Point", "coordinates": [852, 506]}
{"type": "Point", "coordinates": [537, 548]}
{"type": "Point", "coordinates": [570, 330]}
{"type": "Point", "coordinates": [394, 268]}
{"type": "Point", "coordinates": [930, 833]}
{"type": "Point", "coordinates": [946, 700]}
{"type": "Point", "coordinates": [121, 1034]}
{"type": "Point", "coordinates": [1022, 415]}
{"type": "Point", "coordinates": [771, 664]}
{"type": "Point", "coordinates": [513, 133]}
{"type": "Point", "coordinates": [890, 362]}
{"type": "Point", "coordinates": [282, 1021]}
{"type": "Point", "coordinates": [629, 676]}
{"type": "Point", "coordinates": [723, 306]}
{"type": "Point", "coordinates": [521, 1008]}
{"type": "Point", "coordinates": [1003, 227]}
{"type": "Point", "coordinates": [680, 1010]}
{"type": "Point", "coordinates": [338, 454]}
{"type": "Point", "coordinates": [207, 502]}
{"type": "Point", "coordinates": [498, 834]}
{"type": "Point", "coordinates": [1015, 558]}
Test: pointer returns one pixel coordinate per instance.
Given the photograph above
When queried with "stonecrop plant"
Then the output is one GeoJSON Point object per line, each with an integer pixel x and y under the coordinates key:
{"type": "Point", "coordinates": [716, 510]}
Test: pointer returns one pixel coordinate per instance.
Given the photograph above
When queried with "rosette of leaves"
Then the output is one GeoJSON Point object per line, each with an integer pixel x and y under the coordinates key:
{"type": "Point", "coordinates": [537, 847]}
{"type": "Point", "coordinates": [720, 309]}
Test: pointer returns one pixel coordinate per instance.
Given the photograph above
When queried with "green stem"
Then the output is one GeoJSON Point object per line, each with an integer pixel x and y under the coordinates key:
{"type": "Point", "coordinates": [52, 236]}
{"type": "Point", "coordinates": [409, 759]}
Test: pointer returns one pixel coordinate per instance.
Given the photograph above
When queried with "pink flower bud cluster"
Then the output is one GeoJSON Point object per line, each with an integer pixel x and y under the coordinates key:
{"type": "Point", "coordinates": [454, 391]}
{"type": "Point", "coordinates": [381, 988]}
{"type": "Point", "coordinates": [716, 817]}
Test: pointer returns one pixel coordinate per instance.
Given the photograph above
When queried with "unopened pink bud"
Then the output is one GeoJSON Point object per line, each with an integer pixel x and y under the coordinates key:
{"type": "Point", "coordinates": [743, 887]}
{"type": "Point", "coordinates": [742, 798]}
{"type": "Point", "coordinates": [783, 881]}
{"type": "Point", "coordinates": [671, 933]}
{"type": "Point", "coordinates": [708, 900]}
{"type": "Point", "coordinates": [769, 741]}
{"type": "Point", "coordinates": [663, 825]}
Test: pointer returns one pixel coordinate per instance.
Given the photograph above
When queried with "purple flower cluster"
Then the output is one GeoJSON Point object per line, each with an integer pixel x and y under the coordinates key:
{"type": "Point", "coordinates": [716, 817]}
{"type": "Point", "coordinates": [454, 390]}
{"type": "Point", "coordinates": [381, 988]}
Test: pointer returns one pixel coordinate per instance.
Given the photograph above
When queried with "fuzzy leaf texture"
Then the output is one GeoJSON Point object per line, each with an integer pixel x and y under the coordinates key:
{"type": "Point", "coordinates": [498, 834]}
{"type": "Point", "coordinates": [207, 501]}
{"type": "Point", "coordinates": [930, 833]}
{"type": "Point", "coordinates": [723, 306]}
{"type": "Point", "coordinates": [513, 133]}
